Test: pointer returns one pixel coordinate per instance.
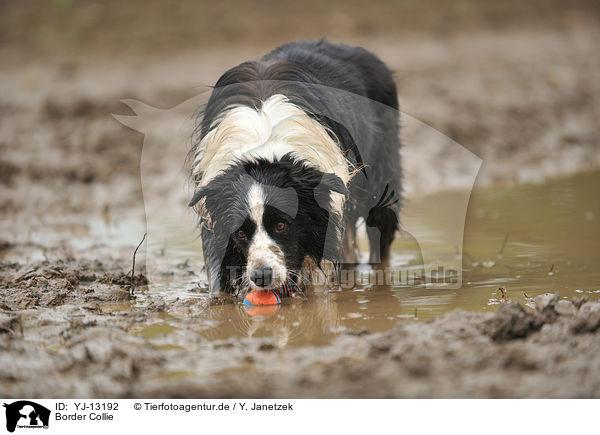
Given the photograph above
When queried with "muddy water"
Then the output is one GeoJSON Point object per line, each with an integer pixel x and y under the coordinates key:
{"type": "Point", "coordinates": [529, 239]}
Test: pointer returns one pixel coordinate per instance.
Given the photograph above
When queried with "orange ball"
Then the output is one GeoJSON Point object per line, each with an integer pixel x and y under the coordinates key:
{"type": "Point", "coordinates": [261, 297]}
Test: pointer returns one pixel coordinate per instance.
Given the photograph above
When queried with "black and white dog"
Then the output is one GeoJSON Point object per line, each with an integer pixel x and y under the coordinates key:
{"type": "Point", "coordinates": [291, 151]}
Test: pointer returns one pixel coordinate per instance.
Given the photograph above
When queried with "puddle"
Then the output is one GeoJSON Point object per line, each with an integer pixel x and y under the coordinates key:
{"type": "Point", "coordinates": [157, 329]}
{"type": "Point", "coordinates": [530, 239]}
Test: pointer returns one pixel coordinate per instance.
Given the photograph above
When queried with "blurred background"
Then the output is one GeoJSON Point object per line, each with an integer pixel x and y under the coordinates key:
{"type": "Point", "coordinates": [515, 82]}
{"type": "Point", "coordinates": [114, 28]}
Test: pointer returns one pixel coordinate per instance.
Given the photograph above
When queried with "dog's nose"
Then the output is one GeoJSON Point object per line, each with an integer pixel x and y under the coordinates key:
{"type": "Point", "coordinates": [262, 277]}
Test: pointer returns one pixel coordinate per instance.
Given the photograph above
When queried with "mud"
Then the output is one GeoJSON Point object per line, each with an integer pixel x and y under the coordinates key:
{"type": "Point", "coordinates": [70, 326]}
{"type": "Point", "coordinates": [77, 344]}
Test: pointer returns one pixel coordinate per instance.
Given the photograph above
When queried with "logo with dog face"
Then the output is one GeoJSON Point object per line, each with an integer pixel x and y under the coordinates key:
{"type": "Point", "coordinates": [26, 414]}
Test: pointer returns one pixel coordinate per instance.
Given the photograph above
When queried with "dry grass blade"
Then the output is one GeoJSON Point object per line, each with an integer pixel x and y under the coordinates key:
{"type": "Point", "coordinates": [133, 263]}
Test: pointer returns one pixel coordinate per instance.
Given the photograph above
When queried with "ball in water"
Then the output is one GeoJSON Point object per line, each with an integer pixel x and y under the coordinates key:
{"type": "Point", "coordinates": [258, 297]}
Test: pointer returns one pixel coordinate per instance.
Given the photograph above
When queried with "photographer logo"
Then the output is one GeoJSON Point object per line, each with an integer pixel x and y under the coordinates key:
{"type": "Point", "coordinates": [25, 414]}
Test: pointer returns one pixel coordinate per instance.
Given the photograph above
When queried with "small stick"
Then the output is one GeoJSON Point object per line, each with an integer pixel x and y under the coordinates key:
{"type": "Point", "coordinates": [133, 265]}
{"type": "Point", "coordinates": [503, 293]}
{"type": "Point", "coordinates": [551, 269]}
{"type": "Point", "coordinates": [503, 245]}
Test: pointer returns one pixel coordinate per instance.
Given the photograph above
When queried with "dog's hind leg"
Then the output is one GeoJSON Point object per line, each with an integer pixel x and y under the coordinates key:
{"type": "Point", "coordinates": [382, 224]}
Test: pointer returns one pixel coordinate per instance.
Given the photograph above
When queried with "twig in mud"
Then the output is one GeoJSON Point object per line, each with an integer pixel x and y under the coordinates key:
{"type": "Point", "coordinates": [503, 245]}
{"type": "Point", "coordinates": [9, 330]}
{"type": "Point", "coordinates": [551, 271]}
{"type": "Point", "coordinates": [133, 263]}
{"type": "Point", "coordinates": [503, 293]}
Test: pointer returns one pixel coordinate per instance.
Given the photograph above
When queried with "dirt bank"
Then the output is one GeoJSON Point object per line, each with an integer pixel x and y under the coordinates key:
{"type": "Point", "coordinates": [67, 329]}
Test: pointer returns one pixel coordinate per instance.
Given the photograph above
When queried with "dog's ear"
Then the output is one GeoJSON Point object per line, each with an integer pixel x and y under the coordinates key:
{"type": "Point", "coordinates": [334, 183]}
{"type": "Point", "coordinates": [200, 193]}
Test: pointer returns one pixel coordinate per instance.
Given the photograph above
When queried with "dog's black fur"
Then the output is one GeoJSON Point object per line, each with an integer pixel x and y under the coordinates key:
{"type": "Point", "coordinates": [305, 234]}
{"type": "Point", "coordinates": [326, 81]}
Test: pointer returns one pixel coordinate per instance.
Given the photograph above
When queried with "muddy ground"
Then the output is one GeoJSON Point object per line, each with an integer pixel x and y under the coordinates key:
{"type": "Point", "coordinates": [64, 335]}
{"type": "Point", "coordinates": [528, 103]}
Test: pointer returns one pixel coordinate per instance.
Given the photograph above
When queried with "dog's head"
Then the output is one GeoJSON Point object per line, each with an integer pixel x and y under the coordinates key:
{"type": "Point", "coordinates": [262, 219]}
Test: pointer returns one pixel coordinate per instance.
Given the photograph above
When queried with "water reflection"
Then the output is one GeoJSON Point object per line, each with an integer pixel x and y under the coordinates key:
{"type": "Point", "coordinates": [313, 319]}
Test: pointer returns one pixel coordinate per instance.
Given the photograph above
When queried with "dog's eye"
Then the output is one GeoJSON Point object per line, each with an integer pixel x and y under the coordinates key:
{"type": "Point", "coordinates": [241, 234]}
{"type": "Point", "coordinates": [280, 226]}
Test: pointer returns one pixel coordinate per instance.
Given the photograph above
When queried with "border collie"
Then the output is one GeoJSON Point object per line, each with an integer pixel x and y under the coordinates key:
{"type": "Point", "coordinates": [291, 151]}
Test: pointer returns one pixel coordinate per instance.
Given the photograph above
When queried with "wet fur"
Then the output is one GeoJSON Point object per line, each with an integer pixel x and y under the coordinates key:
{"type": "Point", "coordinates": [367, 138]}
